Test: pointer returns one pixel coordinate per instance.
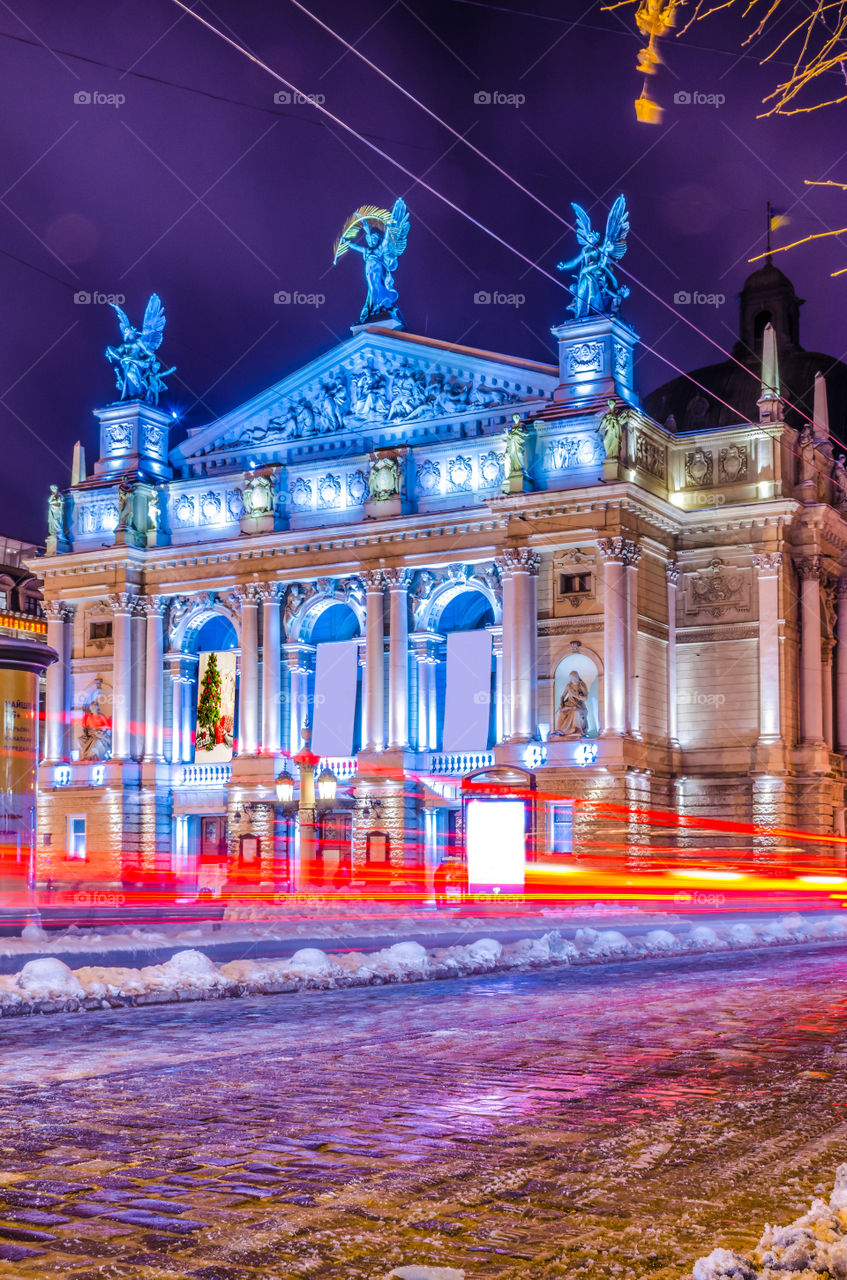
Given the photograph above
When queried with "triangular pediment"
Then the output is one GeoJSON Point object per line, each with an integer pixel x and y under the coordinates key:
{"type": "Point", "coordinates": [378, 380]}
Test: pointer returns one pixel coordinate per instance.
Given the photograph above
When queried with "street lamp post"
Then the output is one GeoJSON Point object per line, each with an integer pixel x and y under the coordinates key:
{"type": "Point", "coordinates": [307, 803]}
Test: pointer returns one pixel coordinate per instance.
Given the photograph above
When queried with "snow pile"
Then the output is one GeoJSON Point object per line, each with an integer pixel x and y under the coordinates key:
{"type": "Point", "coordinates": [49, 979]}
{"type": "Point", "coordinates": [814, 1246]}
{"type": "Point", "coordinates": [47, 984]}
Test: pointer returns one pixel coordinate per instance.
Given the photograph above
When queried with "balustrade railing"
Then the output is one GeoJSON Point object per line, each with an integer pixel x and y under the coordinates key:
{"type": "Point", "coordinates": [344, 767]}
{"type": "Point", "coordinates": [203, 775]}
{"type": "Point", "coordinates": [458, 763]}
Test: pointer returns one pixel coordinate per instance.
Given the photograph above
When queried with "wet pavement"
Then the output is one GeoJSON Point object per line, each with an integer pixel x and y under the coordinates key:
{"type": "Point", "coordinates": [617, 1120]}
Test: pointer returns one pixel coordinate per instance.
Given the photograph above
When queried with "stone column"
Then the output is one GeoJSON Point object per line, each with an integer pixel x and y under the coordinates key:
{"type": "Point", "coordinates": [633, 701]}
{"type": "Point", "coordinates": [672, 576]}
{"type": "Point", "coordinates": [767, 568]}
{"type": "Point", "coordinates": [522, 627]}
{"type": "Point", "coordinates": [426, 646]}
{"type": "Point", "coordinates": [373, 730]}
{"type": "Point", "coordinates": [248, 711]}
{"type": "Point", "coordinates": [299, 658]}
{"type": "Point", "coordinates": [54, 743]}
{"type": "Point", "coordinates": [271, 659]}
{"type": "Point", "coordinates": [189, 710]}
{"type": "Point", "coordinates": [177, 699]}
{"type": "Point", "coordinates": [827, 647]}
{"type": "Point", "coordinates": [810, 571]}
{"type": "Point", "coordinates": [841, 667]}
{"type": "Point", "coordinates": [497, 652]}
{"type": "Point", "coordinates": [506, 651]}
{"type": "Point", "coordinates": [614, 552]}
{"type": "Point", "coordinates": [397, 581]}
{"type": "Point", "coordinates": [121, 603]}
{"type": "Point", "coordinates": [154, 607]}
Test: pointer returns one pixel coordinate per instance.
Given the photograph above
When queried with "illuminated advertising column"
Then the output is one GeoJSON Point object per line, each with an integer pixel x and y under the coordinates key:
{"type": "Point", "coordinates": [21, 664]}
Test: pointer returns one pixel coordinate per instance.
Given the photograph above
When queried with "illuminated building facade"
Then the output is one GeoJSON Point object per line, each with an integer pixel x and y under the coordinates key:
{"type": "Point", "coordinates": [646, 609]}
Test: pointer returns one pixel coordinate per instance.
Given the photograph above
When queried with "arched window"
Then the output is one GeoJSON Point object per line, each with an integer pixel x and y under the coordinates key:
{"type": "Point", "coordinates": [216, 633]}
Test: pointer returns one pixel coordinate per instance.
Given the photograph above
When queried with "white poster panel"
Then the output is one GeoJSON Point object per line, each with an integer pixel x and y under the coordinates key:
{"type": "Point", "coordinates": [334, 715]}
{"type": "Point", "coordinates": [215, 707]}
{"type": "Point", "coordinates": [496, 843]}
{"type": "Point", "coordinates": [467, 702]}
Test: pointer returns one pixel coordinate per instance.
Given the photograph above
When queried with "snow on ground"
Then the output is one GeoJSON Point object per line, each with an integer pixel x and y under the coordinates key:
{"type": "Point", "coordinates": [48, 984]}
{"type": "Point", "coordinates": [814, 1246]}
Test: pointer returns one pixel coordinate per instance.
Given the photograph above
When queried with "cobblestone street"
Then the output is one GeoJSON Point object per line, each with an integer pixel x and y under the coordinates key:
{"type": "Point", "coordinates": [615, 1121]}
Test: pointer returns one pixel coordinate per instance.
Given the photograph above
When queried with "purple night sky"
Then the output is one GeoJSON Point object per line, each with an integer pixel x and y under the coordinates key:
{"type": "Point", "coordinates": [203, 189]}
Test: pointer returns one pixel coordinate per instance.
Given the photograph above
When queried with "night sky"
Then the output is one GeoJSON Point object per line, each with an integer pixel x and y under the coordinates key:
{"type": "Point", "coordinates": [199, 186]}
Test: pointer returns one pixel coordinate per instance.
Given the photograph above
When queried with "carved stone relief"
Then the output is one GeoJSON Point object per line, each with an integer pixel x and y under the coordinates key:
{"type": "Point", "coordinates": [699, 468]}
{"type": "Point", "coordinates": [717, 590]}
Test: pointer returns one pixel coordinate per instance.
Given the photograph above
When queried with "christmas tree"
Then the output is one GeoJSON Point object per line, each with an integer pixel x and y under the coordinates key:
{"type": "Point", "coordinates": [209, 704]}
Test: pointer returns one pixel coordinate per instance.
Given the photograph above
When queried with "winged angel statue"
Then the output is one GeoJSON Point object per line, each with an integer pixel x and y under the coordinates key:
{"type": "Point", "coordinates": [596, 290]}
{"type": "Point", "coordinates": [138, 373]}
{"type": "Point", "coordinates": [384, 237]}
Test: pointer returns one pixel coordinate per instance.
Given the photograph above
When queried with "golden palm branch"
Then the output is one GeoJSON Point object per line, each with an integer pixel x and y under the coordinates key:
{"type": "Point", "coordinates": [351, 227]}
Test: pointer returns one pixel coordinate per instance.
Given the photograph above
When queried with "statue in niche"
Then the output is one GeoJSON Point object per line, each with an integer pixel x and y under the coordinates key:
{"type": "Point", "coordinates": [384, 237]}
{"type": "Point", "coordinates": [612, 430]}
{"type": "Point", "coordinates": [95, 742]}
{"type": "Point", "coordinates": [55, 513]}
{"type": "Point", "coordinates": [257, 496]}
{"type": "Point", "coordinates": [514, 458]}
{"type": "Point", "coordinates": [572, 712]}
{"type": "Point", "coordinates": [139, 374]}
{"type": "Point", "coordinates": [154, 512]}
{"type": "Point", "coordinates": [596, 290]}
{"type": "Point", "coordinates": [125, 515]}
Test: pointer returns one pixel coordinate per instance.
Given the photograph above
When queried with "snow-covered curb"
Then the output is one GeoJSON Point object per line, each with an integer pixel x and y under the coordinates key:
{"type": "Point", "coordinates": [48, 985]}
{"type": "Point", "coordinates": [814, 1247]}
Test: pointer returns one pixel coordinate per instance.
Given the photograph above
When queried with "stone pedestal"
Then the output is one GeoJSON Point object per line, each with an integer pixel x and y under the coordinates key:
{"type": "Point", "coordinates": [383, 508]}
{"type": "Point", "coordinates": [129, 538]}
{"type": "Point", "coordinates": [56, 546]}
{"type": "Point", "coordinates": [258, 524]}
{"type": "Point", "coordinates": [133, 437]}
{"type": "Point", "coordinates": [595, 360]}
{"type": "Point", "coordinates": [517, 482]}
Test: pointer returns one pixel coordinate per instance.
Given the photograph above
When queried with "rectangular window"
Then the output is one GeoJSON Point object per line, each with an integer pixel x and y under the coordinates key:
{"type": "Point", "coordinates": [574, 584]}
{"type": "Point", "coordinates": [4, 599]}
{"type": "Point", "coordinates": [76, 836]}
{"type": "Point", "coordinates": [100, 631]}
{"type": "Point", "coordinates": [561, 828]}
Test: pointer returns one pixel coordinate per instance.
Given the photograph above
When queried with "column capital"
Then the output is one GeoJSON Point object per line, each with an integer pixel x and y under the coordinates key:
{"type": "Point", "coordinates": [58, 610]}
{"type": "Point", "coordinates": [269, 592]}
{"type": "Point", "coordinates": [827, 648]}
{"type": "Point", "coordinates": [518, 560]}
{"type": "Point", "coordinates": [397, 579]}
{"type": "Point", "coordinates": [672, 572]}
{"type": "Point", "coordinates": [810, 567]}
{"type": "Point", "coordinates": [619, 550]}
{"type": "Point", "coordinates": [766, 562]}
{"type": "Point", "coordinates": [374, 580]}
{"type": "Point", "coordinates": [122, 602]}
{"type": "Point", "coordinates": [152, 606]}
